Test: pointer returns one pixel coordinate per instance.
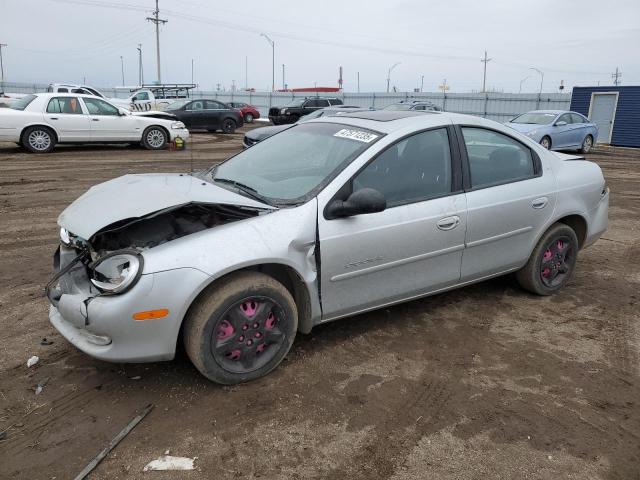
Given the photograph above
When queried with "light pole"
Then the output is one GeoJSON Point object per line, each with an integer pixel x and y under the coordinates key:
{"type": "Point", "coordinates": [541, 77]}
{"type": "Point", "coordinates": [522, 81]}
{"type": "Point", "coordinates": [273, 60]}
{"type": "Point", "coordinates": [140, 72]}
{"type": "Point", "coordinates": [1, 69]}
{"type": "Point", "coordinates": [122, 69]}
{"type": "Point", "coordinates": [389, 74]}
{"type": "Point", "coordinates": [284, 84]}
{"type": "Point", "coordinates": [192, 71]}
{"type": "Point", "coordinates": [421, 83]}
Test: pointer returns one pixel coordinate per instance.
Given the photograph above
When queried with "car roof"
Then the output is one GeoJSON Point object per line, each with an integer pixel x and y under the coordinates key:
{"type": "Point", "coordinates": [556, 112]}
{"type": "Point", "coordinates": [63, 94]}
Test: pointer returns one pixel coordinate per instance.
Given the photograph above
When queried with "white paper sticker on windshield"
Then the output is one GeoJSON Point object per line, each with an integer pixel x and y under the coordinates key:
{"type": "Point", "coordinates": [359, 135]}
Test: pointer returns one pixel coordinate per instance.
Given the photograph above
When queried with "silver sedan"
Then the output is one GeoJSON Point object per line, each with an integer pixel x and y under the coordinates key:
{"type": "Point", "coordinates": [330, 218]}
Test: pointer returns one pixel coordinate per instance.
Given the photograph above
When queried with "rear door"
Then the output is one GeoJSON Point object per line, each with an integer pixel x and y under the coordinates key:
{"type": "Point", "coordinates": [510, 199]}
{"type": "Point", "coordinates": [69, 119]}
{"type": "Point", "coordinates": [414, 246]}
{"type": "Point", "coordinates": [215, 112]}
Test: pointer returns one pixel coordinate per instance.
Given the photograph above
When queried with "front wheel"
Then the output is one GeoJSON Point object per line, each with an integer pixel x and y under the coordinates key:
{"type": "Point", "coordinates": [155, 138]}
{"type": "Point", "coordinates": [546, 142]}
{"type": "Point", "coordinates": [587, 143]}
{"type": "Point", "coordinates": [228, 126]}
{"type": "Point", "coordinates": [552, 262]}
{"type": "Point", "coordinates": [248, 118]}
{"type": "Point", "coordinates": [241, 329]}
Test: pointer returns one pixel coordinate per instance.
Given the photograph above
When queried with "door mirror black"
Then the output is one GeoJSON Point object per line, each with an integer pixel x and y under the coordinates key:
{"type": "Point", "coordinates": [561, 123]}
{"type": "Point", "coordinates": [365, 200]}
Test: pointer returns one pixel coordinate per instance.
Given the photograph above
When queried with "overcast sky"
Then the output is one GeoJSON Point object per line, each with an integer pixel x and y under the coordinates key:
{"type": "Point", "coordinates": [578, 41]}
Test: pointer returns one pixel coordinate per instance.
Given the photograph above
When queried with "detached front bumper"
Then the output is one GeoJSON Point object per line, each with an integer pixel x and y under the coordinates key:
{"type": "Point", "coordinates": [103, 327]}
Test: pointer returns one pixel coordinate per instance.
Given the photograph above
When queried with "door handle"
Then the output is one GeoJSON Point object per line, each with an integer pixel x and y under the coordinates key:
{"type": "Point", "coordinates": [53, 118]}
{"type": "Point", "coordinates": [539, 202]}
{"type": "Point", "coordinates": [95, 119]}
{"type": "Point", "coordinates": [448, 223]}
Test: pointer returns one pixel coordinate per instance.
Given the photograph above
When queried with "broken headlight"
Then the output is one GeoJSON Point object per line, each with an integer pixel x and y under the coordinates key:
{"type": "Point", "coordinates": [65, 236]}
{"type": "Point", "coordinates": [117, 272]}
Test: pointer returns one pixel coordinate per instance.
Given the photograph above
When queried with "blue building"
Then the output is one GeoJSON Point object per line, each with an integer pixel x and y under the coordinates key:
{"type": "Point", "coordinates": [615, 110]}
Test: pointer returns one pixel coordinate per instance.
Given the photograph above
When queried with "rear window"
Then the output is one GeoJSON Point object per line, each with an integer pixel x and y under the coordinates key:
{"type": "Point", "coordinates": [22, 103]}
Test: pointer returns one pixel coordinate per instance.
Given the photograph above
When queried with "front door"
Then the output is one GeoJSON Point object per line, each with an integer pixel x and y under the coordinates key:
{"type": "Point", "coordinates": [510, 202]}
{"type": "Point", "coordinates": [413, 247]}
{"type": "Point", "coordinates": [108, 125]}
{"type": "Point", "coordinates": [566, 135]}
{"type": "Point", "coordinates": [602, 112]}
{"type": "Point", "coordinates": [68, 118]}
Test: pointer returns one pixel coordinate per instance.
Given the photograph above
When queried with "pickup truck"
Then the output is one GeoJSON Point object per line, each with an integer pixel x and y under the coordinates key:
{"type": "Point", "coordinates": [299, 107]}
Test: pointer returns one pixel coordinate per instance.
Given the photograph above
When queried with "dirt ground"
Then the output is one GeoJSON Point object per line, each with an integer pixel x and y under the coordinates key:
{"type": "Point", "coordinates": [484, 382]}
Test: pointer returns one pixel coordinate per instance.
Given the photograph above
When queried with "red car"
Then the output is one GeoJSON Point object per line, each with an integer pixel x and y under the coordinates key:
{"type": "Point", "coordinates": [249, 112]}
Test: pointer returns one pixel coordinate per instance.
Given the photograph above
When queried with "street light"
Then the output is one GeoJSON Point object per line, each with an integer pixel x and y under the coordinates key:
{"type": "Point", "coordinates": [122, 68]}
{"type": "Point", "coordinates": [273, 61]}
{"type": "Point", "coordinates": [522, 81]}
{"type": "Point", "coordinates": [541, 77]}
{"type": "Point", "coordinates": [389, 74]}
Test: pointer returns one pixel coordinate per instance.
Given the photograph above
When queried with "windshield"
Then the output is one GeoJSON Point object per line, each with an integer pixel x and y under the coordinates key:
{"type": "Point", "coordinates": [535, 118]}
{"type": "Point", "coordinates": [295, 103]}
{"type": "Point", "coordinates": [21, 103]}
{"type": "Point", "coordinates": [312, 115]}
{"type": "Point", "coordinates": [398, 106]}
{"type": "Point", "coordinates": [177, 105]}
{"type": "Point", "coordinates": [287, 167]}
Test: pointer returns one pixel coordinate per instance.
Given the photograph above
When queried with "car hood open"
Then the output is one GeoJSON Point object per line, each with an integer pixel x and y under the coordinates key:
{"type": "Point", "coordinates": [134, 196]}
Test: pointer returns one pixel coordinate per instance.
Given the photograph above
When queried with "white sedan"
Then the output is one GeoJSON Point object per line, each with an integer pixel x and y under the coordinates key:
{"type": "Point", "coordinates": [39, 121]}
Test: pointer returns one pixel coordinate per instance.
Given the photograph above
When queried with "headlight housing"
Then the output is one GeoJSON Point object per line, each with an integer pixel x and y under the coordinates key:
{"type": "Point", "coordinates": [117, 272]}
{"type": "Point", "coordinates": [65, 237]}
{"type": "Point", "coordinates": [283, 111]}
{"type": "Point", "coordinates": [177, 125]}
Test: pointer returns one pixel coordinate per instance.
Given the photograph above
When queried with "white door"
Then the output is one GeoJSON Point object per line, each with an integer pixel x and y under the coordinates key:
{"type": "Point", "coordinates": [71, 122]}
{"type": "Point", "coordinates": [107, 124]}
{"type": "Point", "coordinates": [602, 112]}
{"type": "Point", "coordinates": [413, 247]}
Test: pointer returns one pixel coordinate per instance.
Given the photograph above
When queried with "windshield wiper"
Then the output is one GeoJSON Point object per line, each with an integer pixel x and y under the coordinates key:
{"type": "Point", "coordinates": [246, 189]}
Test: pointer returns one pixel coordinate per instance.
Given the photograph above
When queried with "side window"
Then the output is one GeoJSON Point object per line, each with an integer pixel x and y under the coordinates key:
{"type": "Point", "coordinates": [335, 101]}
{"type": "Point", "coordinates": [577, 118]}
{"type": "Point", "coordinates": [63, 90]}
{"type": "Point", "coordinates": [64, 105]}
{"type": "Point", "coordinates": [495, 158]}
{"type": "Point", "coordinates": [310, 104]}
{"type": "Point", "coordinates": [565, 118]}
{"type": "Point", "coordinates": [141, 96]}
{"type": "Point", "coordinates": [322, 103]}
{"type": "Point", "coordinates": [196, 105]}
{"type": "Point", "coordinates": [414, 169]}
{"type": "Point", "coordinates": [419, 107]}
{"type": "Point", "coordinates": [100, 107]}
{"type": "Point", "coordinates": [213, 105]}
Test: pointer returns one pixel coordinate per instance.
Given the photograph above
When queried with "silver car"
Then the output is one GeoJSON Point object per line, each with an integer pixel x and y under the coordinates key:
{"type": "Point", "coordinates": [557, 129]}
{"type": "Point", "coordinates": [330, 218]}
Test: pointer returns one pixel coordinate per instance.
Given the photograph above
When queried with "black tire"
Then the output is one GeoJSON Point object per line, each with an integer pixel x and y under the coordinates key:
{"type": "Point", "coordinates": [248, 118]}
{"type": "Point", "coordinates": [587, 144]}
{"type": "Point", "coordinates": [38, 139]}
{"type": "Point", "coordinates": [552, 263]}
{"type": "Point", "coordinates": [546, 142]}
{"type": "Point", "coordinates": [228, 125]}
{"type": "Point", "coordinates": [155, 138]}
{"type": "Point", "coordinates": [240, 329]}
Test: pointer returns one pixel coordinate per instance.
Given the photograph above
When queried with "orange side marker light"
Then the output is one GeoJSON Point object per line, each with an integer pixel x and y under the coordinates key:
{"type": "Point", "coordinates": [151, 314]}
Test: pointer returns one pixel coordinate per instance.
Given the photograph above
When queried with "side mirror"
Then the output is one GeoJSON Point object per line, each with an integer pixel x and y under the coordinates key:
{"type": "Point", "coordinates": [365, 200]}
{"type": "Point", "coordinates": [561, 123]}
{"type": "Point", "coordinates": [123, 112]}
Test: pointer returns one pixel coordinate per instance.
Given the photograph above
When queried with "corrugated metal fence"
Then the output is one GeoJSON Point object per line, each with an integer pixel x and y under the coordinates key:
{"type": "Point", "coordinates": [495, 106]}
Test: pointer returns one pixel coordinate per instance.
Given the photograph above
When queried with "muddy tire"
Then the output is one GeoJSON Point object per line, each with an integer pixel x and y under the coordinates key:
{"type": "Point", "coordinates": [552, 262]}
{"type": "Point", "coordinates": [241, 328]}
{"type": "Point", "coordinates": [587, 144]}
{"type": "Point", "coordinates": [228, 125]}
{"type": "Point", "coordinates": [38, 139]}
{"type": "Point", "coordinates": [155, 138]}
{"type": "Point", "coordinates": [546, 142]}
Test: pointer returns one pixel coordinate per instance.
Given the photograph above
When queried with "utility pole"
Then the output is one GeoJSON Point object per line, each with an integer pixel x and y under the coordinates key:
{"type": "Point", "coordinates": [284, 84]}
{"type": "Point", "coordinates": [1, 69]}
{"type": "Point", "coordinates": [485, 60]}
{"type": "Point", "coordinates": [122, 69]}
{"type": "Point", "coordinates": [246, 65]}
{"type": "Point", "coordinates": [358, 82]}
{"type": "Point", "coordinates": [389, 74]}
{"type": "Point", "coordinates": [616, 77]}
{"type": "Point", "coordinates": [192, 71]}
{"type": "Point", "coordinates": [157, 20]}
{"type": "Point", "coordinates": [421, 83]}
{"type": "Point", "coordinates": [140, 72]}
{"type": "Point", "coordinates": [273, 60]}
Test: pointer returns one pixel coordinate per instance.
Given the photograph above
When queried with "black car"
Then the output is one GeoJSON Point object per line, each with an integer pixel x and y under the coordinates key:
{"type": "Point", "coordinates": [258, 134]}
{"type": "Point", "coordinates": [209, 115]}
{"type": "Point", "coordinates": [299, 107]}
{"type": "Point", "coordinates": [424, 105]}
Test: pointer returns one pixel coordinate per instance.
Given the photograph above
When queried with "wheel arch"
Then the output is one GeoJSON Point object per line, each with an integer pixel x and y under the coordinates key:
{"type": "Point", "coordinates": [41, 125]}
{"type": "Point", "coordinates": [578, 224]}
{"type": "Point", "coordinates": [156, 125]}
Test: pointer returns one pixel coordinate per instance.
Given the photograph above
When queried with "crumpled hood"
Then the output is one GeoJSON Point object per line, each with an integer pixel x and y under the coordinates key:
{"type": "Point", "coordinates": [524, 127]}
{"type": "Point", "coordinates": [134, 196]}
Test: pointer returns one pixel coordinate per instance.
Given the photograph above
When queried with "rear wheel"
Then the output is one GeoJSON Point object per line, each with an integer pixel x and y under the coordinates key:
{"type": "Point", "coordinates": [228, 125]}
{"type": "Point", "coordinates": [154, 138]}
{"type": "Point", "coordinates": [546, 142]}
{"type": "Point", "coordinates": [38, 139]}
{"type": "Point", "coordinates": [248, 117]}
{"type": "Point", "coordinates": [241, 329]}
{"type": "Point", "coordinates": [587, 143]}
{"type": "Point", "coordinates": [552, 262]}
